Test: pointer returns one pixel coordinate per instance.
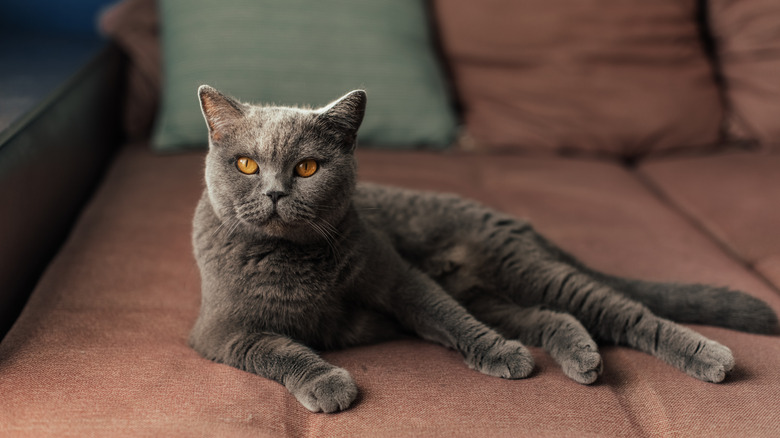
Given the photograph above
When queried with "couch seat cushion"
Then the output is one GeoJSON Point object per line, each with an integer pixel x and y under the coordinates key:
{"type": "Point", "coordinates": [734, 196]}
{"type": "Point", "coordinates": [101, 346]}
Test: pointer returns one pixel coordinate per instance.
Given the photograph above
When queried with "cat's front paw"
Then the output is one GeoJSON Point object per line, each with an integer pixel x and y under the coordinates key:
{"type": "Point", "coordinates": [582, 363]}
{"type": "Point", "coordinates": [504, 358]}
{"type": "Point", "coordinates": [330, 392]}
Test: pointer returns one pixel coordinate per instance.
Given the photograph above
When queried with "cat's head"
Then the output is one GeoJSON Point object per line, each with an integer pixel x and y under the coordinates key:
{"type": "Point", "coordinates": [279, 171]}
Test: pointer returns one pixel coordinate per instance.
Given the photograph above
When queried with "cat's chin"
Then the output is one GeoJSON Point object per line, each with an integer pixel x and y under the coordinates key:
{"type": "Point", "coordinates": [277, 227]}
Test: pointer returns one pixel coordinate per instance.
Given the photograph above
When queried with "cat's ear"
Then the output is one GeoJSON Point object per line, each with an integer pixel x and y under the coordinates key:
{"type": "Point", "coordinates": [346, 114]}
{"type": "Point", "coordinates": [220, 111]}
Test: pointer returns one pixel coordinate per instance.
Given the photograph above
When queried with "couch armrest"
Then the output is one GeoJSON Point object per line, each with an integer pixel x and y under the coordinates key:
{"type": "Point", "coordinates": [51, 159]}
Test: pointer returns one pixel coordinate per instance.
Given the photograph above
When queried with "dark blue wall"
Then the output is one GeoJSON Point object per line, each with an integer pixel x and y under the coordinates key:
{"type": "Point", "coordinates": [52, 16]}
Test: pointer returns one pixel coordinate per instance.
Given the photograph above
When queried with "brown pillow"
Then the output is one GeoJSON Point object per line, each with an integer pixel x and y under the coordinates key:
{"type": "Point", "coordinates": [600, 76]}
{"type": "Point", "coordinates": [134, 26]}
{"type": "Point", "coordinates": [747, 36]}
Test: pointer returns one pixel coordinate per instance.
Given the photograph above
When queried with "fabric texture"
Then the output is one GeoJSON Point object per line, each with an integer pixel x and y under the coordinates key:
{"type": "Point", "coordinates": [305, 52]}
{"type": "Point", "coordinates": [598, 77]}
{"type": "Point", "coordinates": [734, 196]}
{"type": "Point", "coordinates": [101, 346]}
{"type": "Point", "coordinates": [748, 44]}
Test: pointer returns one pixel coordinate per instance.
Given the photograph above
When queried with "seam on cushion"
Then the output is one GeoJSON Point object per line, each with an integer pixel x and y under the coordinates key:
{"type": "Point", "coordinates": [770, 266]}
{"type": "Point", "coordinates": [629, 385]}
{"type": "Point", "coordinates": [702, 227]}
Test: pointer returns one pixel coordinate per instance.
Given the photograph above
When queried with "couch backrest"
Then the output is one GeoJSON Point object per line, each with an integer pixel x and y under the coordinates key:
{"type": "Point", "coordinates": [623, 78]}
{"type": "Point", "coordinates": [747, 36]}
{"type": "Point", "coordinates": [617, 77]}
{"type": "Point", "coordinates": [607, 76]}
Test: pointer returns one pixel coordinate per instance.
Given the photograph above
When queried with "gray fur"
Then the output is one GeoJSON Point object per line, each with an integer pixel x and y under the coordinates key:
{"type": "Point", "coordinates": [326, 263]}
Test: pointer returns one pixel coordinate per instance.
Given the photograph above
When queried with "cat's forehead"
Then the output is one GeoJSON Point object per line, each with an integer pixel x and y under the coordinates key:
{"type": "Point", "coordinates": [278, 131]}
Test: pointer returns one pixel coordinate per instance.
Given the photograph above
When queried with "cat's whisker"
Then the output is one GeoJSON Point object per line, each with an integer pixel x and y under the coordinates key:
{"type": "Point", "coordinates": [328, 238]}
{"type": "Point", "coordinates": [227, 224]}
{"type": "Point", "coordinates": [328, 234]}
{"type": "Point", "coordinates": [233, 228]}
{"type": "Point", "coordinates": [327, 225]}
{"type": "Point", "coordinates": [328, 207]}
{"type": "Point", "coordinates": [247, 206]}
{"type": "Point", "coordinates": [304, 210]}
{"type": "Point", "coordinates": [329, 228]}
{"type": "Point", "coordinates": [216, 230]}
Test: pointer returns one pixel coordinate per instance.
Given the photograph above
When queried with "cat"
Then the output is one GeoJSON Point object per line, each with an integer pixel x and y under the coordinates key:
{"type": "Point", "coordinates": [295, 257]}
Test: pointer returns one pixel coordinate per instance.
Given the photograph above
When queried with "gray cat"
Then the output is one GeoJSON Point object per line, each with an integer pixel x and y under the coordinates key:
{"type": "Point", "coordinates": [296, 257]}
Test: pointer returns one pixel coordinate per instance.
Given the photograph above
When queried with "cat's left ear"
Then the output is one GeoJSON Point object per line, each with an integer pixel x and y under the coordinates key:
{"type": "Point", "coordinates": [346, 114]}
{"type": "Point", "coordinates": [220, 111]}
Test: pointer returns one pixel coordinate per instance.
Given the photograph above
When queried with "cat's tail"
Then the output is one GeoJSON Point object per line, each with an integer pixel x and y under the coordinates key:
{"type": "Point", "coordinates": [700, 304]}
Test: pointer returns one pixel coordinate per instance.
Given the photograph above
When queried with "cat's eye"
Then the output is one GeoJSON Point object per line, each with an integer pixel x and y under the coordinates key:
{"type": "Point", "coordinates": [246, 165]}
{"type": "Point", "coordinates": [306, 168]}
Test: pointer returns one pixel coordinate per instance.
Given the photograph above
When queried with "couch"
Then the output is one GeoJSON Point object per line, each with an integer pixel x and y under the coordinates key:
{"type": "Point", "coordinates": [647, 154]}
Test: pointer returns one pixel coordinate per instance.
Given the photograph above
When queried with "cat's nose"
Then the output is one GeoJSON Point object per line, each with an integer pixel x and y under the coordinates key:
{"type": "Point", "coordinates": [275, 195]}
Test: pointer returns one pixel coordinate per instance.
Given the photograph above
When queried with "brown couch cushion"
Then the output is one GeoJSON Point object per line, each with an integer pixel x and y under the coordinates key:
{"type": "Point", "coordinates": [101, 347]}
{"type": "Point", "coordinates": [735, 196]}
{"type": "Point", "coordinates": [604, 76]}
{"type": "Point", "coordinates": [748, 44]}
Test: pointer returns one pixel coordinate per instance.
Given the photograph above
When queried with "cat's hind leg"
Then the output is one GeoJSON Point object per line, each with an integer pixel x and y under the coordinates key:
{"type": "Point", "coordinates": [613, 317]}
{"type": "Point", "coordinates": [422, 306]}
{"type": "Point", "coordinates": [560, 334]}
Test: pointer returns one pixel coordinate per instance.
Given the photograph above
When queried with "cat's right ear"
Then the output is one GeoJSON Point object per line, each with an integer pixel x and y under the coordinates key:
{"type": "Point", "coordinates": [220, 111]}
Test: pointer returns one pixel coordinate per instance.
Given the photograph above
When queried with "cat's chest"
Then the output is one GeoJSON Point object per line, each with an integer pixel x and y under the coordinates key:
{"type": "Point", "coordinates": [292, 292]}
{"type": "Point", "coordinates": [285, 267]}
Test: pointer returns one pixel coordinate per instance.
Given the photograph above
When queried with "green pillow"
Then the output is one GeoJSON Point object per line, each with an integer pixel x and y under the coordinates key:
{"type": "Point", "coordinates": [304, 52]}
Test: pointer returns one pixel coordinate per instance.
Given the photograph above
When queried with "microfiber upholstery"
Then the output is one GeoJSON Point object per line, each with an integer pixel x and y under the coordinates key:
{"type": "Point", "coordinates": [305, 52]}
{"type": "Point", "coordinates": [101, 347]}
{"type": "Point", "coordinates": [604, 77]}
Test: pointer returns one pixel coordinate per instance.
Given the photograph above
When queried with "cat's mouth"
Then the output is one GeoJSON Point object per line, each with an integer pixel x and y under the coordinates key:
{"type": "Point", "coordinates": [273, 219]}
{"type": "Point", "coordinates": [274, 224]}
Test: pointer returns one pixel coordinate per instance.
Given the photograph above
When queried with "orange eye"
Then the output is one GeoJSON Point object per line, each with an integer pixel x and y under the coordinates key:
{"type": "Point", "coordinates": [246, 165]}
{"type": "Point", "coordinates": [306, 168]}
